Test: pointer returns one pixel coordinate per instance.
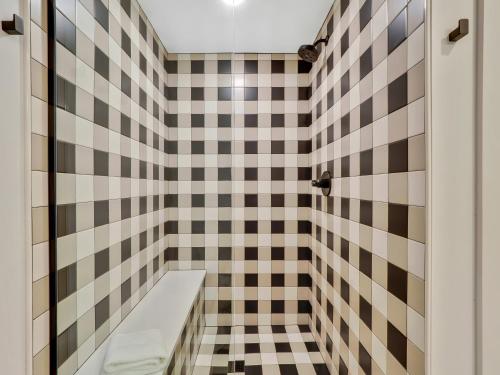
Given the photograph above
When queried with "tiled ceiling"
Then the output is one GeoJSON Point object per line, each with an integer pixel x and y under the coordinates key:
{"type": "Point", "coordinates": [209, 26]}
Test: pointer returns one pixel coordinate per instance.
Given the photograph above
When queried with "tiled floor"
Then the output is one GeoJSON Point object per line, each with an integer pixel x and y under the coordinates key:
{"type": "Point", "coordinates": [259, 350]}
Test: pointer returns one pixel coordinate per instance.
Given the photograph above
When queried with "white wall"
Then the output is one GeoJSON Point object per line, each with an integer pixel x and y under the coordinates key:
{"type": "Point", "coordinates": [14, 304]}
{"type": "Point", "coordinates": [451, 187]}
{"type": "Point", "coordinates": [489, 191]}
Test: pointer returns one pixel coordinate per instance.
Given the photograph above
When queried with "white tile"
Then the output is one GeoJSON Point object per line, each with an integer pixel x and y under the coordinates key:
{"type": "Point", "coordinates": [84, 188]}
{"type": "Point", "coordinates": [41, 332]}
{"type": "Point", "coordinates": [416, 188]}
{"type": "Point", "coordinates": [40, 260]}
{"type": "Point", "coordinates": [39, 189]}
{"type": "Point", "coordinates": [416, 258]}
{"type": "Point", "coordinates": [416, 328]}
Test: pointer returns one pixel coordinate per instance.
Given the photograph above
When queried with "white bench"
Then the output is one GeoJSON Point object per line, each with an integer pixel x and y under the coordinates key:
{"type": "Point", "coordinates": [165, 307]}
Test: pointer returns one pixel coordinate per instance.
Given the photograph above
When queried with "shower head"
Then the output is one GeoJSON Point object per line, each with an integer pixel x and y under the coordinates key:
{"type": "Point", "coordinates": [309, 52]}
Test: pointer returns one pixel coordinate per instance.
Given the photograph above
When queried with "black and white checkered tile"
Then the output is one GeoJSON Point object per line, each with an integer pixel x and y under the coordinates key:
{"type": "Point", "coordinates": [260, 350]}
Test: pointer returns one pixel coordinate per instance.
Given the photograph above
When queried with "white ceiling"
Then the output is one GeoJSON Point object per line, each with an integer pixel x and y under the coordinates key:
{"type": "Point", "coordinates": [210, 26]}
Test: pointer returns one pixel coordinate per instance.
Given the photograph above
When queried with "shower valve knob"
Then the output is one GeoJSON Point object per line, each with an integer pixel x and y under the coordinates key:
{"type": "Point", "coordinates": [324, 183]}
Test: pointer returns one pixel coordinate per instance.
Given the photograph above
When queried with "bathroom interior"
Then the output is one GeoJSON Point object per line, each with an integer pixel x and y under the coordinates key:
{"type": "Point", "coordinates": [244, 187]}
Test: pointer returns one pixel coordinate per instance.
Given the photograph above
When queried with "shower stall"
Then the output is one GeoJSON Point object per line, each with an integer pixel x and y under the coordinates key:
{"type": "Point", "coordinates": [295, 182]}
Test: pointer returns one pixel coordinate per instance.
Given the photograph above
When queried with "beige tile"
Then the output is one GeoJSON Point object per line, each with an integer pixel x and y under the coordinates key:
{"type": "Point", "coordinates": [396, 313]}
{"type": "Point", "coordinates": [40, 296]}
{"type": "Point", "coordinates": [416, 223]}
{"type": "Point", "coordinates": [416, 294]}
{"type": "Point", "coordinates": [41, 362]}
{"type": "Point", "coordinates": [40, 224]}
{"type": "Point", "coordinates": [416, 153]}
{"type": "Point", "coordinates": [39, 83]}
{"type": "Point", "coordinates": [416, 82]}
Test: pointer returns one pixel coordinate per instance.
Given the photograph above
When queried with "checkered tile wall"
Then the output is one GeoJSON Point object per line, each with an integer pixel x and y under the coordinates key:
{"type": "Point", "coordinates": [205, 161]}
{"type": "Point", "coordinates": [368, 236]}
{"type": "Point", "coordinates": [239, 198]}
{"type": "Point", "coordinates": [111, 169]}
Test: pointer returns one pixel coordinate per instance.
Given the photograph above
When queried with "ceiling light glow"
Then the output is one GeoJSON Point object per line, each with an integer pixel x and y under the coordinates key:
{"type": "Point", "coordinates": [233, 3]}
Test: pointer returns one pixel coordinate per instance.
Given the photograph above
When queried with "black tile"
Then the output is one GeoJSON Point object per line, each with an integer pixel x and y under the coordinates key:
{"type": "Point", "coordinates": [366, 112]}
{"type": "Point", "coordinates": [251, 226]}
{"type": "Point", "coordinates": [224, 280]}
{"type": "Point", "coordinates": [251, 253]}
{"type": "Point", "coordinates": [224, 147]}
{"type": "Point", "coordinates": [197, 200]}
{"type": "Point", "coordinates": [101, 62]}
{"type": "Point", "coordinates": [344, 4]}
{"type": "Point", "coordinates": [101, 312]}
{"type": "Point", "coordinates": [365, 14]}
{"type": "Point", "coordinates": [397, 282]}
{"type": "Point", "coordinates": [101, 163]}
{"type": "Point", "coordinates": [288, 369]}
{"type": "Point", "coordinates": [197, 174]}
{"type": "Point", "coordinates": [251, 200]}
{"type": "Point", "coordinates": [312, 347]}
{"type": "Point", "coordinates": [251, 93]}
{"type": "Point", "coordinates": [224, 200]}
{"type": "Point", "coordinates": [321, 369]}
{"type": "Point", "coordinates": [397, 344]}
{"type": "Point", "coordinates": [224, 93]}
{"type": "Point", "coordinates": [344, 249]}
{"type": "Point", "coordinates": [251, 280]}
{"type": "Point", "coordinates": [366, 212]}
{"type": "Point", "coordinates": [365, 262]}
{"type": "Point", "coordinates": [126, 84]}
{"type": "Point", "coordinates": [101, 263]}
{"type": "Point", "coordinates": [66, 281]}
{"type": "Point", "coordinates": [398, 156]}
{"type": "Point", "coordinates": [197, 93]}
{"type": "Point", "coordinates": [126, 5]}
{"type": "Point", "coordinates": [277, 174]}
{"type": "Point", "coordinates": [251, 174]}
{"type": "Point", "coordinates": [224, 174]}
{"type": "Point", "coordinates": [126, 249]}
{"type": "Point", "coordinates": [197, 120]}
{"type": "Point", "coordinates": [251, 307]}
{"type": "Point", "coordinates": [126, 208]}
{"type": "Point", "coordinates": [251, 348]}
{"type": "Point", "coordinates": [396, 31]}
{"type": "Point", "coordinates": [283, 347]}
{"type": "Point", "coordinates": [345, 166]}
{"type": "Point", "coordinates": [224, 121]}
{"type": "Point", "coordinates": [171, 93]}
{"type": "Point", "coordinates": [398, 93]}
{"type": "Point", "coordinates": [251, 147]}
{"type": "Point", "coordinates": [329, 63]}
{"type": "Point", "coordinates": [224, 67]}
{"type": "Point", "coordinates": [143, 29]}
{"type": "Point", "coordinates": [101, 213]}
{"type": "Point", "coordinates": [344, 42]}
{"type": "Point", "coordinates": [365, 312]}
{"type": "Point", "coordinates": [277, 66]}
{"type": "Point", "coordinates": [345, 84]}
{"type": "Point", "coordinates": [366, 162]}
{"type": "Point", "coordinates": [197, 147]}
{"type": "Point", "coordinates": [65, 32]}
{"type": "Point", "coordinates": [365, 63]}
{"type": "Point", "coordinates": [66, 219]}
{"type": "Point", "coordinates": [304, 173]}
{"type": "Point", "coordinates": [197, 67]}
{"type": "Point", "coordinates": [101, 113]}
{"type": "Point", "coordinates": [251, 67]}
{"type": "Point", "coordinates": [126, 290]}
{"type": "Point", "coordinates": [398, 219]}
{"type": "Point", "coordinates": [224, 226]}
{"type": "Point", "coordinates": [304, 67]}
{"type": "Point", "coordinates": [304, 93]}
{"type": "Point", "coordinates": [304, 119]}
{"type": "Point", "coordinates": [277, 147]}
{"type": "Point", "coordinates": [67, 343]}
{"type": "Point", "coordinates": [224, 253]}
{"type": "Point", "coordinates": [365, 361]}
{"type": "Point", "coordinates": [344, 331]}
{"type": "Point", "coordinates": [171, 66]}
{"type": "Point", "coordinates": [197, 227]}
{"type": "Point", "coordinates": [277, 93]}
{"type": "Point", "coordinates": [345, 125]}
{"type": "Point", "coordinates": [344, 290]}
{"type": "Point", "coordinates": [277, 120]}
{"type": "Point", "coordinates": [65, 157]}
{"type": "Point", "coordinates": [198, 253]}
{"type": "Point", "coordinates": [143, 64]}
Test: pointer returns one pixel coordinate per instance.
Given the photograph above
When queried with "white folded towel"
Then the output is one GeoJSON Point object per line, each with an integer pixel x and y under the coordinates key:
{"type": "Point", "coordinates": [138, 353]}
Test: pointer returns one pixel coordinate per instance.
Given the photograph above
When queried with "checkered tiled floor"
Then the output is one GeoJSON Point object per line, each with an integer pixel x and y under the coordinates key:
{"type": "Point", "coordinates": [259, 350]}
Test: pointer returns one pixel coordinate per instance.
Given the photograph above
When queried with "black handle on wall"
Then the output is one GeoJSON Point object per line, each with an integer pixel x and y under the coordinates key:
{"type": "Point", "coordinates": [324, 183]}
{"type": "Point", "coordinates": [461, 31]}
{"type": "Point", "coordinates": [14, 27]}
